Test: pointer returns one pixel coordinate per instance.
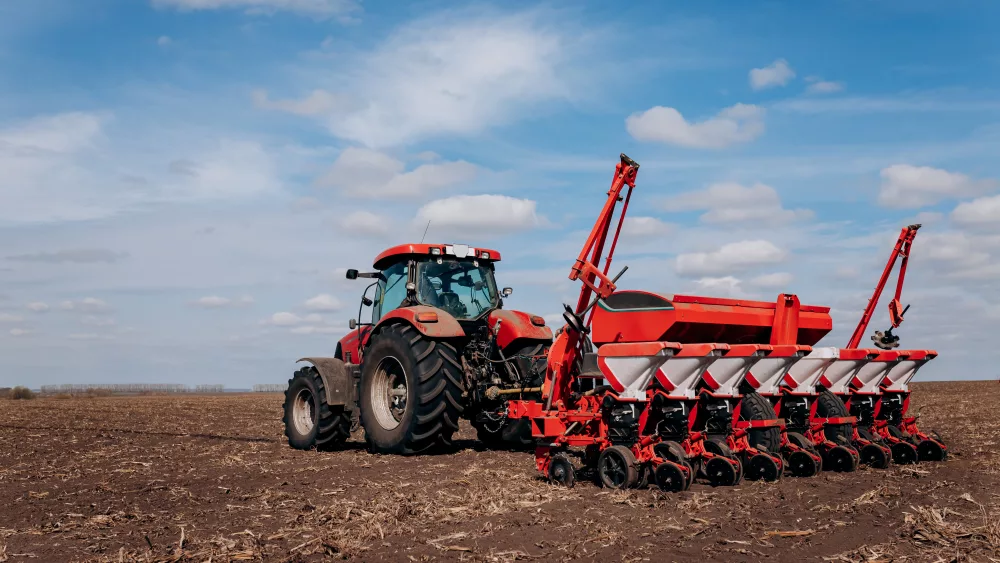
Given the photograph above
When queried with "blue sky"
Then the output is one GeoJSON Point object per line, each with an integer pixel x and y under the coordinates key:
{"type": "Point", "coordinates": [183, 182]}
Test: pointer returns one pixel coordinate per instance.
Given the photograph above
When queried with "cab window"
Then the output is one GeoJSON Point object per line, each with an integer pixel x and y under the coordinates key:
{"type": "Point", "coordinates": [392, 291]}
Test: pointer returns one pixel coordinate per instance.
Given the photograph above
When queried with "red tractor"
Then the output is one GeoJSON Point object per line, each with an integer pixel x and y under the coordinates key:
{"type": "Point", "coordinates": [439, 347]}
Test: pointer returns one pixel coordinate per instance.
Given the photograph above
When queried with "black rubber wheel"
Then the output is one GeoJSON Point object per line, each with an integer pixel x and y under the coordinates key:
{"type": "Point", "coordinates": [756, 407]}
{"type": "Point", "coordinates": [675, 452]}
{"type": "Point", "coordinates": [617, 468]}
{"type": "Point", "coordinates": [904, 452]}
{"type": "Point", "coordinates": [670, 478]}
{"type": "Point", "coordinates": [561, 471]}
{"type": "Point", "coordinates": [309, 421]}
{"type": "Point", "coordinates": [527, 359]}
{"type": "Point", "coordinates": [721, 473]}
{"type": "Point", "coordinates": [829, 405]}
{"type": "Point", "coordinates": [411, 392]}
{"type": "Point", "coordinates": [840, 459]}
{"type": "Point", "coordinates": [762, 468]}
{"type": "Point", "coordinates": [802, 468]}
{"type": "Point", "coordinates": [929, 450]}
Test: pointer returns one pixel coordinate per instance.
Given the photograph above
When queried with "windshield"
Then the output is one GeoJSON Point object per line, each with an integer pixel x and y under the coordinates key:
{"type": "Point", "coordinates": [459, 287]}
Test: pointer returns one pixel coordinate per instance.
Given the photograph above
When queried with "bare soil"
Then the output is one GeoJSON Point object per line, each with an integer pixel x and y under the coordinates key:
{"type": "Point", "coordinates": [210, 478]}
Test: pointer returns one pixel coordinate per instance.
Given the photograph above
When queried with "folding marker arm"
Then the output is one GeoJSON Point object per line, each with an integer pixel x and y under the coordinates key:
{"type": "Point", "coordinates": [896, 310]}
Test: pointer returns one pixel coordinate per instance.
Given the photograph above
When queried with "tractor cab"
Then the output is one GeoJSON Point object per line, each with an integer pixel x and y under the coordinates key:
{"type": "Point", "coordinates": [454, 278]}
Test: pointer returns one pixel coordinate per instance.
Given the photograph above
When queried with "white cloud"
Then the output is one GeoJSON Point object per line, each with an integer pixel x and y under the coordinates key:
{"type": "Point", "coordinates": [285, 318]}
{"type": "Point", "coordinates": [364, 223]}
{"type": "Point", "coordinates": [775, 280]}
{"type": "Point", "coordinates": [8, 318]}
{"type": "Point", "coordinates": [727, 286]}
{"type": "Point", "coordinates": [37, 306]}
{"type": "Point", "coordinates": [86, 305]}
{"type": "Point", "coordinates": [981, 212]}
{"type": "Point", "coordinates": [458, 73]}
{"type": "Point", "coordinates": [730, 203]}
{"type": "Point", "coordinates": [20, 332]}
{"type": "Point", "coordinates": [820, 86]}
{"type": "Point", "coordinates": [323, 302]}
{"type": "Point", "coordinates": [319, 9]}
{"type": "Point", "coordinates": [217, 302]}
{"type": "Point", "coordinates": [730, 258]}
{"type": "Point", "coordinates": [67, 167]}
{"type": "Point", "coordinates": [91, 336]}
{"type": "Point", "coordinates": [313, 329]}
{"type": "Point", "coordinates": [777, 73]}
{"type": "Point", "coordinates": [646, 227]}
{"type": "Point", "coordinates": [480, 215]}
{"type": "Point", "coordinates": [164, 41]}
{"type": "Point", "coordinates": [318, 102]}
{"type": "Point", "coordinates": [367, 173]}
{"type": "Point", "coordinates": [92, 320]}
{"type": "Point", "coordinates": [907, 186]}
{"type": "Point", "coordinates": [740, 123]}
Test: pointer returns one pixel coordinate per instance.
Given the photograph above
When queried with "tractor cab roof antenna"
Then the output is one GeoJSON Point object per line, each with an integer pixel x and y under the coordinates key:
{"type": "Point", "coordinates": [425, 231]}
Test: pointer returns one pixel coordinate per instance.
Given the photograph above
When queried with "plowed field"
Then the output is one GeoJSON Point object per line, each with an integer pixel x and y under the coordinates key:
{"type": "Point", "coordinates": [210, 478]}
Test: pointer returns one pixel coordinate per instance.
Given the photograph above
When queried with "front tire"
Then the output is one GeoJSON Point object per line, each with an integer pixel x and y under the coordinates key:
{"type": "Point", "coordinates": [411, 392]}
{"type": "Point", "coordinates": [309, 421]}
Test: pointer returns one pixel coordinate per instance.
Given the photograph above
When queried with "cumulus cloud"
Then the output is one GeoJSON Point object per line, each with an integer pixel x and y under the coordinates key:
{"type": "Point", "coordinates": [480, 215]}
{"type": "Point", "coordinates": [366, 173]}
{"type": "Point", "coordinates": [730, 203]}
{"type": "Point", "coordinates": [779, 280]}
{"type": "Point", "coordinates": [20, 332]}
{"type": "Point", "coordinates": [287, 319]}
{"type": "Point", "coordinates": [730, 258]}
{"type": "Point", "coordinates": [908, 186]}
{"type": "Point", "coordinates": [217, 302]}
{"type": "Point", "coordinates": [315, 329]}
{"type": "Point", "coordinates": [9, 318]}
{"type": "Point", "coordinates": [317, 103]}
{"type": "Point", "coordinates": [37, 306]}
{"type": "Point", "coordinates": [457, 72]}
{"type": "Point", "coordinates": [164, 41]}
{"type": "Point", "coordinates": [819, 86]}
{"type": "Point", "coordinates": [982, 212]}
{"type": "Point", "coordinates": [777, 73]}
{"type": "Point", "coordinates": [86, 305]}
{"type": "Point", "coordinates": [77, 256]}
{"type": "Point", "coordinates": [323, 302]}
{"type": "Point", "coordinates": [318, 9]}
{"type": "Point", "coordinates": [646, 227]}
{"type": "Point", "coordinates": [364, 223]}
{"type": "Point", "coordinates": [740, 123]}
{"type": "Point", "coordinates": [727, 286]}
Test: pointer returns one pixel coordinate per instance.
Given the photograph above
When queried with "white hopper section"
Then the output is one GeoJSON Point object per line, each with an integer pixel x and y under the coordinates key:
{"type": "Point", "coordinates": [767, 374]}
{"type": "Point", "coordinates": [726, 373]}
{"type": "Point", "coordinates": [866, 381]}
{"type": "Point", "coordinates": [629, 367]}
{"type": "Point", "coordinates": [803, 374]}
{"type": "Point", "coordinates": [902, 373]}
{"type": "Point", "coordinates": [680, 374]}
{"type": "Point", "coordinates": [841, 372]}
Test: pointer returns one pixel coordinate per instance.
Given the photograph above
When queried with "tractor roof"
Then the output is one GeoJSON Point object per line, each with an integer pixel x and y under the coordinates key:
{"type": "Point", "coordinates": [397, 253]}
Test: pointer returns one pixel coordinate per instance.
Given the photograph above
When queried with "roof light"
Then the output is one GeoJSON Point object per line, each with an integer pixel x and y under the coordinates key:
{"type": "Point", "coordinates": [484, 254]}
{"type": "Point", "coordinates": [435, 251]}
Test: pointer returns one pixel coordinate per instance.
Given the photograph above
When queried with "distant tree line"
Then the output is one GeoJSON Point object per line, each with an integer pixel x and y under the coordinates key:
{"type": "Point", "coordinates": [270, 388]}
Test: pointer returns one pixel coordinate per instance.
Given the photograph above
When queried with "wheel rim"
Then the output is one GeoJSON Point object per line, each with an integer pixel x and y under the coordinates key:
{"type": "Point", "coordinates": [670, 478]}
{"type": "Point", "coordinates": [929, 450]}
{"type": "Point", "coordinates": [720, 472]}
{"type": "Point", "coordinates": [302, 412]}
{"type": "Point", "coordinates": [904, 453]}
{"type": "Point", "coordinates": [614, 473]}
{"type": "Point", "coordinates": [875, 456]}
{"type": "Point", "coordinates": [839, 459]}
{"type": "Point", "coordinates": [802, 464]}
{"type": "Point", "coordinates": [762, 468]}
{"type": "Point", "coordinates": [388, 393]}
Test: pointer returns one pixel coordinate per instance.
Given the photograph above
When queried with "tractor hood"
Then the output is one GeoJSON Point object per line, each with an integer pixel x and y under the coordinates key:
{"type": "Point", "coordinates": [515, 325]}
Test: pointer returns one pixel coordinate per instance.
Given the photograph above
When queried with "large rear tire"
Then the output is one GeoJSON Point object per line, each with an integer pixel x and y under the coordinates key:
{"type": "Point", "coordinates": [411, 392]}
{"type": "Point", "coordinates": [755, 407]}
{"type": "Point", "coordinates": [309, 421]}
{"type": "Point", "coordinates": [829, 405]}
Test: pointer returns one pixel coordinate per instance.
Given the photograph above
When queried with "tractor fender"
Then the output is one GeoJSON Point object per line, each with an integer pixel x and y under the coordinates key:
{"type": "Point", "coordinates": [516, 325]}
{"type": "Point", "coordinates": [445, 327]}
{"type": "Point", "coordinates": [337, 380]}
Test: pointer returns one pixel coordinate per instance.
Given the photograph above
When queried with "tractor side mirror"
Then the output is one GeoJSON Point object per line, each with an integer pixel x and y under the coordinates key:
{"type": "Point", "coordinates": [506, 291]}
{"type": "Point", "coordinates": [353, 324]}
{"type": "Point", "coordinates": [367, 301]}
{"type": "Point", "coordinates": [352, 274]}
